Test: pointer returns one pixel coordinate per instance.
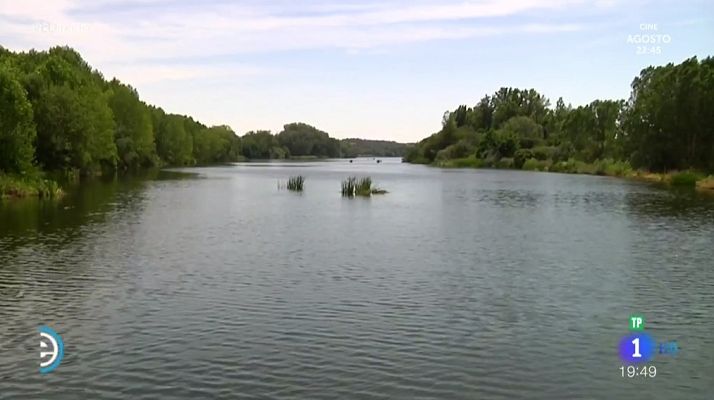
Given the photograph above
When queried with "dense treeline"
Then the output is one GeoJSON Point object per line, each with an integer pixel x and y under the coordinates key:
{"type": "Point", "coordinates": [302, 140]}
{"type": "Point", "coordinates": [377, 148]}
{"type": "Point", "coordinates": [666, 124]}
{"type": "Point", "coordinates": [59, 114]}
{"type": "Point", "coordinates": [295, 140]}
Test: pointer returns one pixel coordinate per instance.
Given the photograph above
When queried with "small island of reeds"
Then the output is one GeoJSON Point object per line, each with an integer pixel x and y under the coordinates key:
{"type": "Point", "coordinates": [359, 187]}
{"type": "Point", "coordinates": [296, 183]}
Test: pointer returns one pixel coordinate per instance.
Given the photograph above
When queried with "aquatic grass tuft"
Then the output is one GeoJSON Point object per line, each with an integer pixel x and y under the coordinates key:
{"type": "Point", "coordinates": [296, 183]}
{"type": "Point", "coordinates": [359, 187]}
{"type": "Point", "coordinates": [364, 187]}
{"type": "Point", "coordinates": [684, 178]}
{"type": "Point", "coordinates": [28, 185]}
{"type": "Point", "coordinates": [348, 186]}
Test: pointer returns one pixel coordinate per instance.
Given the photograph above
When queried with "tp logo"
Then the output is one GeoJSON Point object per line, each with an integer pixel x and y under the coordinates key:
{"type": "Point", "coordinates": [51, 349]}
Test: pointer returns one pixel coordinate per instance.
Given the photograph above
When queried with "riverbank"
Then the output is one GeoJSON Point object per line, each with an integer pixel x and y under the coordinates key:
{"type": "Point", "coordinates": [31, 185]}
{"type": "Point", "coordinates": [620, 169]}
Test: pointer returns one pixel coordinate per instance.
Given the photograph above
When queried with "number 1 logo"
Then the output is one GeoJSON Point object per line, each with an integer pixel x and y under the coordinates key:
{"type": "Point", "coordinates": [636, 342]}
{"type": "Point", "coordinates": [636, 348]}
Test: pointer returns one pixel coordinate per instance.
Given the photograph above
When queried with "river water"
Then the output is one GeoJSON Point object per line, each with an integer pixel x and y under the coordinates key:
{"type": "Point", "coordinates": [457, 284]}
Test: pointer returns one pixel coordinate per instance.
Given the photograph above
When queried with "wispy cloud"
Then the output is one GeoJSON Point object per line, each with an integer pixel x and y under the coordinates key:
{"type": "Point", "coordinates": [112, 30]}
{"type": "Point", "coordinates": [168, 48]}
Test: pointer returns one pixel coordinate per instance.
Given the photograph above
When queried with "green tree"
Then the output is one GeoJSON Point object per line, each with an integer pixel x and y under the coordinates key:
{"type": "Point", "coordinates": [262, 145]}
{"type": "Point", "coordinates": [173, 144]}
{"type": "Point", "coordinates": [17, 127]}
{"type": "Point", "coordinates": [134, 131]}
{"type": "Point", "coordinates": [527, 132]}
{"type": "Point", "coordinates": [75, 129]}
{"type": "Point", "coordinates": [301, 139]}
{"type": "Point", "coordinates": [667, 120]}
{"type": "Point", "coordinates": [216, 144]}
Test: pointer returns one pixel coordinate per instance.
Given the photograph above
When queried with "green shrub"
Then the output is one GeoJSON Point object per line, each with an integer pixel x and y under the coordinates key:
{"type": "Point", "coordinates": [529, 142]}
{"type": "Point", "coordinates": [505, 163]}
{"type": "Point", "coordinates": [466, 162]}
{"type": "Point", "coordinates": [32, 184]}
{"type": "Point", "coordinates": [685, 178]}
{"type": "Point", "coordinates": [543, 152]}
{"type": "Point", "coordinates": [563, 153]}
{"type": "Point", "coordinates": [582, 167]}
{"type": "Point", "coordinates": [460, 149]}
{"type": "Point", "coordinates": [520, 157]}
{"type": "Point", "coordinates": [611, 167]}
{"type": "Point", "coordinates": [506, 143]}
{"type": "Point", "coordinates": [532, 164]}
{"type": "Point", "coordinates": [567, 167]}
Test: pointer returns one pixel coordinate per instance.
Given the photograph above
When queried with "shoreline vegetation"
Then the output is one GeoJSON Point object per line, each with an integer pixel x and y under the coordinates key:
{"type": "Point", "coordinates": [63, 121]}
{"type": "Point", "coordinates": [661, 134]}
{"type": "Point", "coordinates": [35, 185]}
{"type": "Point", "coordinates": [611, 168]}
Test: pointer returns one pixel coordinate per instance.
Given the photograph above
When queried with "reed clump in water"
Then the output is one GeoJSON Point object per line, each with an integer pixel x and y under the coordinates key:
{"type": "Point", "coordinates": [359, 187]}
{"type": "Point", "coordinates": [296, 183]}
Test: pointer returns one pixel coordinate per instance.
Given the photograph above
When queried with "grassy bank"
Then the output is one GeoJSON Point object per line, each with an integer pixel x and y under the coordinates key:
{"type": "Point", "coordinates": [706, 184]}
{"type": "Point", "coordinates": [608, 167]}
{"type": "Point", "coordinates": [18, 186]}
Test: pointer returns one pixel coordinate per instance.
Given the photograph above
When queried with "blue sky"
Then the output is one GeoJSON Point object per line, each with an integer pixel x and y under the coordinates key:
{"type": "Point", "coordinates": [375, 69]}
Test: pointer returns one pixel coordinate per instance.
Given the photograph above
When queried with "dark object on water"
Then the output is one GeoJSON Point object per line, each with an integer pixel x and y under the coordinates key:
{"type": "Point", "coordinates": [350, 161]}
{"type": "Point", "coordinates": [295, 183]}
{"type": "Point", "coordinates": [379, 161]}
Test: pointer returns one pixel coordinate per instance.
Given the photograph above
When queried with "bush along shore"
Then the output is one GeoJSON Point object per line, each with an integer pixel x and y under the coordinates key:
{"type": "Point", "coordinates": [15, 186]}
{"type": "Point", "coordinates": [661, 133]}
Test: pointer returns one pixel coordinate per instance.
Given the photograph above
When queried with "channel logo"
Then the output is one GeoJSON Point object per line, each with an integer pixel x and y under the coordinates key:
{"type": "Point", "coordinates": [51, 349]}
{"type": "Point", "coordinates": [639, 346]}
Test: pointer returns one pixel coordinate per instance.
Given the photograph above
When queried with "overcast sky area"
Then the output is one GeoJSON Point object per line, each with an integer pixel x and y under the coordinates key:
{"type": "Point", "coordinates": [380, 69]}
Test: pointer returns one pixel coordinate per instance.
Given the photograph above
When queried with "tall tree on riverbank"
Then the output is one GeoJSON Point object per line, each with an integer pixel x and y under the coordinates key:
{"type": "Point", "coordinates": [75, 129]}
{"type": "Point", "coordinates": [669, 116]}
{"type": "Point", "coordinates": [17, 126]}
{"type": "Point", "coordinates": [216, 144]}
{"type": "Point", "coordinates": [134, 130]}
{"type": "Point", "coordinates": [173, 143]}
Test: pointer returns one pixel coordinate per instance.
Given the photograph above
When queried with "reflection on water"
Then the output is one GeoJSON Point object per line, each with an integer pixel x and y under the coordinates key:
{"type": "Point", "coordinates": [457, 284]}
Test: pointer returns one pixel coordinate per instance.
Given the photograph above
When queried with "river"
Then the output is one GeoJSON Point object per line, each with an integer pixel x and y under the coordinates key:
{"type": "Point", "coordinates": [457, 284]}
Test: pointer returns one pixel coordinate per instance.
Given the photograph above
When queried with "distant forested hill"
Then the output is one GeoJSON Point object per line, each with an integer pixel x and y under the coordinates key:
{"type": "Point", "coordinates": [377, 148]}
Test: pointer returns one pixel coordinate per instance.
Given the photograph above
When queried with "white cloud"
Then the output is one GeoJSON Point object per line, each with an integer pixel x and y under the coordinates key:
{"type": "Point", "coordinates": [168, 49]}
{"type": "Point", "coordinates": [138, 75]}
{"type": "Point", "coordinates": [134, 32]}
